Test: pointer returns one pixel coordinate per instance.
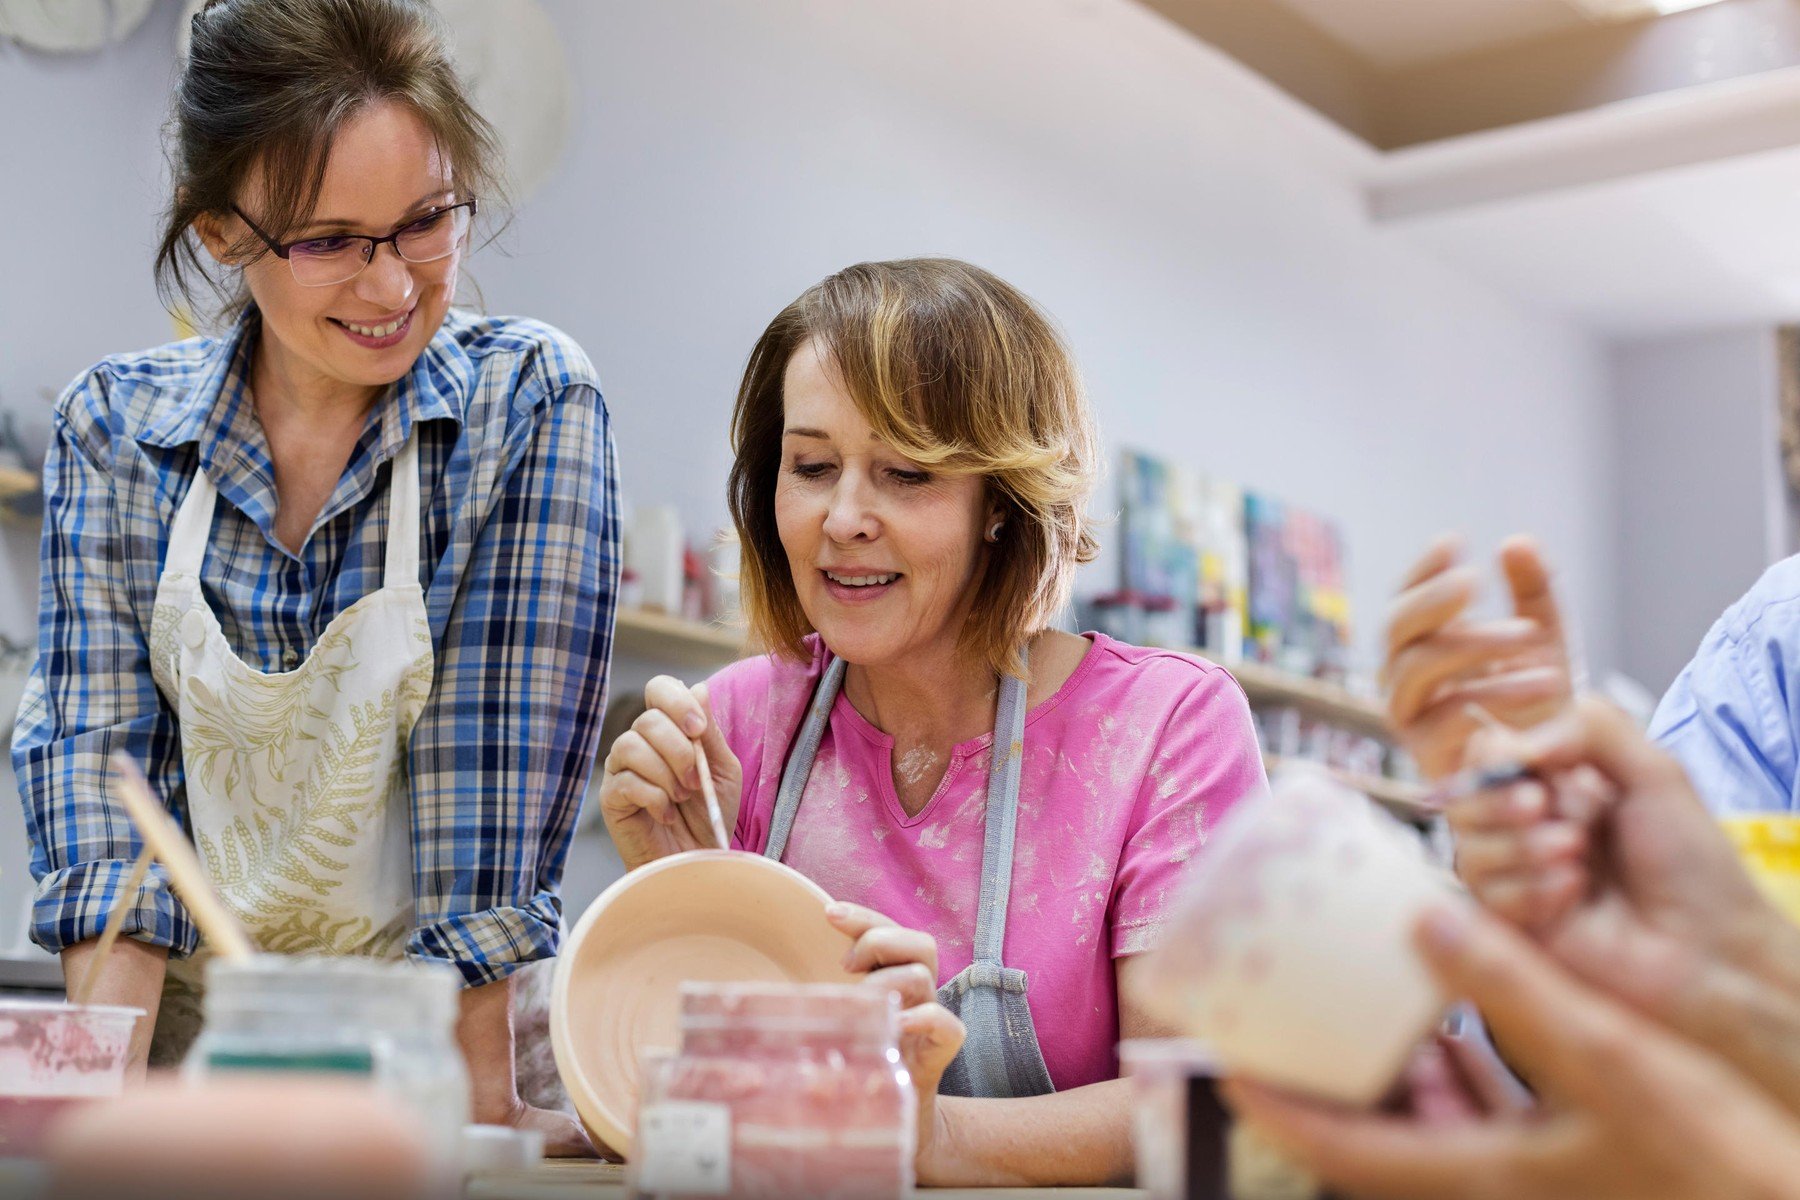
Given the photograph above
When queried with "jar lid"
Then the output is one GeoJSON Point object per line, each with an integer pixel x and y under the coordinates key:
{"type": "Point", "coordinates": [400, 990]}
{"type": "Point", "coordinates": [799, 1008]}
{"type": "Point", "coordinates": [20, 1006]}
{"type": "Point", "coordinates": [1190, 1056]}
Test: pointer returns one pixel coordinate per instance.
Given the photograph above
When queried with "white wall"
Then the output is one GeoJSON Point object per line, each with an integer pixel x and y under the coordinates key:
{"type": "Point", "coordinates": [1231, 304]}
{"type": "Point", "coordinates": [1228, 300]}
{"type": "Point", "coordinates": [1702, 509]}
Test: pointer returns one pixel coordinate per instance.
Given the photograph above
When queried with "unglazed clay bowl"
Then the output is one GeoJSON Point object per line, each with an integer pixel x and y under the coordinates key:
{"type": "Point", "coordinates": [708, 916]}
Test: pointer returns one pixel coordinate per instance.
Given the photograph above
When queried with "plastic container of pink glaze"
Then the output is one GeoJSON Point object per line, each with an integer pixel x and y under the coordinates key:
{"type": "Point", "coordinates": [55, 1056]}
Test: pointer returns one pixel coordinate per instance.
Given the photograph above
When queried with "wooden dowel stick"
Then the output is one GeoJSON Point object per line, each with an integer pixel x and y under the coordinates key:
{"type": "Point", "coordinates": [714, 814]}
{"type": "Point", "coordinates": [115, 921]}
{"type": "Point", "coordinates": [164, 837]}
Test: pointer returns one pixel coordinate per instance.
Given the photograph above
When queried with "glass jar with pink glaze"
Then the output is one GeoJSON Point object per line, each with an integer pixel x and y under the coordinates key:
{"type": "Point", "coordinates": [778, 1090]}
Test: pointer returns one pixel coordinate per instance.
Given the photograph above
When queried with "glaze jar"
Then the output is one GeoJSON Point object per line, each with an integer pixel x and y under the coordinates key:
{"type": "Point", "coordinates": [778, 1090]}
{"type": "Point", "coordinates": [393, 1023]}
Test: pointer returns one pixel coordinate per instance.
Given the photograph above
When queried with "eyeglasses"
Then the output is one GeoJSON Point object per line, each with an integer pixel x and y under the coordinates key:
{"type": "Point", "coordinates": [339, 257]}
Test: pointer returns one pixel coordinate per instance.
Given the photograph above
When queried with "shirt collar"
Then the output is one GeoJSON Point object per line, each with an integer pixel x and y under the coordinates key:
{"type": "Point", "coordinates": [437, 388]}
{"type": "Point", "coordinates": [221, 373]}
{"type": "Point", "coordinates": [217, 415]}
{"type": "Point", "coordinates": [214, 413]}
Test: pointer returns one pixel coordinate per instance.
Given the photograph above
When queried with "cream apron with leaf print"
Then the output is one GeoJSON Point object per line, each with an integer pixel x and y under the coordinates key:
{"type": "Point", "coordinates": [296, 782]}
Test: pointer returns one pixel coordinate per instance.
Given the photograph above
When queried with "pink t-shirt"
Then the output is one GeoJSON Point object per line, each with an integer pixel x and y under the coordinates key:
{"type": "Point", "coordinates": [1127, 769]}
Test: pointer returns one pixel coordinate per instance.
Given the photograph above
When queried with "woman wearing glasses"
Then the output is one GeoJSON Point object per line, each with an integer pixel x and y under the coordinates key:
{"type": "Point", "coordinates": [341, 577]}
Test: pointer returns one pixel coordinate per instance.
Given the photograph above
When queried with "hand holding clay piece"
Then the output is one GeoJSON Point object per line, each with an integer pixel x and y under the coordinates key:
{"type": "Point", "coordinates": [905, 962]}
{"type": "Point", "coordinates": [1655, 907]}
{"type": "Point", "coordinates": [1631, 1111]}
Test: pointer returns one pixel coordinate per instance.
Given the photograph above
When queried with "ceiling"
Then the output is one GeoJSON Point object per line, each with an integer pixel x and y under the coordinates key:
{"type": "Point", "coordinates": [1669, 203]}
{"type": "Point", "coordinates": [1390, 34]}
{"type": "Point", "coordinates": [1707, 246]}
{"type": "Point", "coordinates": [1402, 73]}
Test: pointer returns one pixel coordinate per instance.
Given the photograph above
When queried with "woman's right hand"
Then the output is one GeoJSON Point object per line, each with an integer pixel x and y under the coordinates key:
{"type": "Point", "coordinates": [650, 795]}
{"type": "Point", "coordinates": [1610, 859]}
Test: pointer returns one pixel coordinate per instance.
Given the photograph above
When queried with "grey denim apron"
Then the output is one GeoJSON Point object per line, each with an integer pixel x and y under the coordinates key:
{"type": "Point", "coordinates": [1000, 1055]}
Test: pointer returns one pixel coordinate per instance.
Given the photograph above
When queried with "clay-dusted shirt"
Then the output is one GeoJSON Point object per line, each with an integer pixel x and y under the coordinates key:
{"type": "Point", "coordinates": [1127, 769]}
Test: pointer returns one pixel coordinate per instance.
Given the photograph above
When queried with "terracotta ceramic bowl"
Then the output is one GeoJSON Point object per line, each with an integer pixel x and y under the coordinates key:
{"type": "Point", "coordinates": [714, 916]}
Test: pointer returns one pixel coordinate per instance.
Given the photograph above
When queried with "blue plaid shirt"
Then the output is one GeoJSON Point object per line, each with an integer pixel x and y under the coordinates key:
{"type": "Point", "coordinates": [519, 560]}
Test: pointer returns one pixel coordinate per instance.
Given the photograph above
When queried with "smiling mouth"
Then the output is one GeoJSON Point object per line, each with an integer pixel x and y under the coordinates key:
{"type": "Point", "coordinates": [385, 330]}
{"type": "Point", "coordinates": [862, 580]}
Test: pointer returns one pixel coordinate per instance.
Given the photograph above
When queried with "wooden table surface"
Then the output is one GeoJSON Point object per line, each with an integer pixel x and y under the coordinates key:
{"type": "Point", "coordinates": [606, 1181]}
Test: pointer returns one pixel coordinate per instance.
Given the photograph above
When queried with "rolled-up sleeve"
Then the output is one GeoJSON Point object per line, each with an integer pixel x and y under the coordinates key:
{"type": "Point", "coordinates": [91, 693]}
{"type": "Point", "coordinates": [501, 755]}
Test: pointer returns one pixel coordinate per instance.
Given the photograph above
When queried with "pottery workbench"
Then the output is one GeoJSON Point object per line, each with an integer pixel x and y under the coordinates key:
{"type": "Point", "coordinates": [606, 1181]}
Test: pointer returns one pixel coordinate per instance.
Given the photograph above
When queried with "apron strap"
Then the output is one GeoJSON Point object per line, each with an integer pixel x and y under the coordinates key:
{"type": "Point", "coordinates": [193, 526]}
{"type": "Point", "coordinates": [1006, 758]}
{"type": "Point", "coordinates": [403, 517]}
{"type": "Point", "coordinates": [800, 759]}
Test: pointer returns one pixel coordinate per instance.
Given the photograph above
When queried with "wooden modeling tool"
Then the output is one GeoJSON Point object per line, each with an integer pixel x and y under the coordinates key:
{"type": "Point", "coordinates": [163, 838]}
{"type": "Point", "coordinates": [713, 813]}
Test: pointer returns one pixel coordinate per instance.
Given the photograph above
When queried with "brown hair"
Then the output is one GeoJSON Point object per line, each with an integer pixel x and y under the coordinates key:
{"type": "Point", "coordinates": [268, 84]}
{"type": "Point", "coordinates": [961, 372]}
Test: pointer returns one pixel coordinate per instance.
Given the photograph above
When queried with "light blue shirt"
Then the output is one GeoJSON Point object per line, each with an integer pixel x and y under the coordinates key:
{"type": "Point", "coordinates": [1733, 714]}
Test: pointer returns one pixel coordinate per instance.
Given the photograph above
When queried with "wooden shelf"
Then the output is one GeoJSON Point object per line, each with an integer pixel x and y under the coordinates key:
{"type": "Point", "coordinates": [1329, 702]}
{"type": "Point", "coordinates": [30, 969]}
{"type": "Point", "coordinates": [646, 634]}
{"type": "Point", "coordinates": [1403, 799]}
{"type": "Point", "coordinates": [641, 633]}
{"type": "Point", "coordinates": [15, 482]}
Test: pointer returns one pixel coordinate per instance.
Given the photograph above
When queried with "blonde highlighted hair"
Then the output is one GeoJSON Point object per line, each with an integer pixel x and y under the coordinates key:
{"type": "Point", "coordinates": [962, 373]}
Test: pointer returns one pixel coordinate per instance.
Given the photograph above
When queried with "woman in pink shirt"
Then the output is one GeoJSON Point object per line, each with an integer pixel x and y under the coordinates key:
{"type": "Point", "coordinates": [1005, 809]}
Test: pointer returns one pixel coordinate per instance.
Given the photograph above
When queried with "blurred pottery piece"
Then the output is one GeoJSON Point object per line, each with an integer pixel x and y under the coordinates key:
{"type": "Point", "coordinates": [1290, 953]}
{"type": "Point", "coordinates": [273, 1138]}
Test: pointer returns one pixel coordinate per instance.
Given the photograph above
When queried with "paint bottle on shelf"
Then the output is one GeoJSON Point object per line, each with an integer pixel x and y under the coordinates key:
{"type": "Point", "coordinates": [655, 550]}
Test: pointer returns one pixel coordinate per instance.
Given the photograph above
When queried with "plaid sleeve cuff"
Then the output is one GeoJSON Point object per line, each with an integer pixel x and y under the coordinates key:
{"type": "Point", "coordinates": [73, 903]}
{"type": "Point", "coordinates": [489, 945]}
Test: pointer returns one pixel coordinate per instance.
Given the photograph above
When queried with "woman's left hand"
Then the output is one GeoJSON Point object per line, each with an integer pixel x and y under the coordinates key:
{"type": "Point", "coordinates": [905, 962]}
